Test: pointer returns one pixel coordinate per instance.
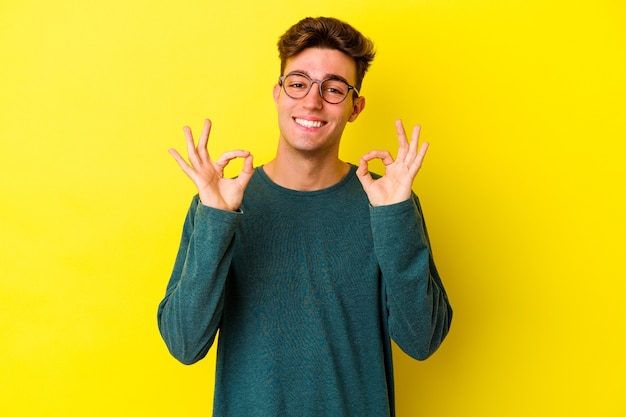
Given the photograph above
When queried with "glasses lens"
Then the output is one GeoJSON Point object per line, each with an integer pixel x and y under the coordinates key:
{"type": "Point", "coordinates": [296, 85]}
{"type": "Point", "coordinates": [334, 91]}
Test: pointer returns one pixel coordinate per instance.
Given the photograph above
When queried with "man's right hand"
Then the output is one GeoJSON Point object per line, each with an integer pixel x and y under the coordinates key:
{"type": "Point", "coordinates": [214, 190]}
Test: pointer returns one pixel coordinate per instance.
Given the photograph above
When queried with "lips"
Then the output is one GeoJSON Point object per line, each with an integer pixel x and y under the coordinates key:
{"type": "Point", "coordinates": [309, 124]}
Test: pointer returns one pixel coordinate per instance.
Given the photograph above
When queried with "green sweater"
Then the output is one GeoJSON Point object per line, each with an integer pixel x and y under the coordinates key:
{"type": "Point", "coordinates": [306, 290]}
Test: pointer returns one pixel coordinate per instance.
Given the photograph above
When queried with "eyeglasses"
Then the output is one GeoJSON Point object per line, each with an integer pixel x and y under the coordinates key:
{"type": "Point", "coordinates": [333, 90]}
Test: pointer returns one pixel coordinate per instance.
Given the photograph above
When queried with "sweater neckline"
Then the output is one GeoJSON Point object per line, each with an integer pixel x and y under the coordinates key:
{"type": "Point", "coordinates": [260, 171]}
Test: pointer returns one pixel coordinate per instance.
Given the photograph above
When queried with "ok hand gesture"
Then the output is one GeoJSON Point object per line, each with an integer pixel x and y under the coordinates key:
{"type": "Point", "coordinates": [395, 185]}
{"type": "Point", "coordinates": [208, 175]}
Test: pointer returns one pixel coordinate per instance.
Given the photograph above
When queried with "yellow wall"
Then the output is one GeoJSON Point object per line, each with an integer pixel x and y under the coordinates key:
{"type": "Point", "coordinates": [523, 190]}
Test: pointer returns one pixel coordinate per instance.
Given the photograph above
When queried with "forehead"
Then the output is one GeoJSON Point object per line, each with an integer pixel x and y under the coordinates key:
{"type": "Point", "coordinates": [320, 63]}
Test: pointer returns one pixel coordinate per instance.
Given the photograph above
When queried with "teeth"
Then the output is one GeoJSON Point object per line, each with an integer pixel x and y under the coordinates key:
{"type": "Point", "coordinates": [309, 123]}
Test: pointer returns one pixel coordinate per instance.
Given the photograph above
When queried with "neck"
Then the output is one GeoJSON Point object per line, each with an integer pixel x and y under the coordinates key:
{"type": "Point", "coordinates": [306, 174]}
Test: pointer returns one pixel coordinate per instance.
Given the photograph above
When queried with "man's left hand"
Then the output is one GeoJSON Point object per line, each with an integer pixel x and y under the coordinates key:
{"type": "Point", "coordinates": [396, 184]}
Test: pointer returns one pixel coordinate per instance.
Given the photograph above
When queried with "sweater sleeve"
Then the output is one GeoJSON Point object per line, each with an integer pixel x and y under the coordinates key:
{"type": "Point", "coordinates": [419, 313]}
{"type": "Point", "coordinates": [190, 313]}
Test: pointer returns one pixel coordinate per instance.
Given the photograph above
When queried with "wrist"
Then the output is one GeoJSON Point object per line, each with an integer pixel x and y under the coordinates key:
{"type": "Point", "coordinates": [216, 203]}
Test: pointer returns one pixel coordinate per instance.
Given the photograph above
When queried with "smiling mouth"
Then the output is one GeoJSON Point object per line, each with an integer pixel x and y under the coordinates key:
{"type": "Point", "coordinates": [309, 123]}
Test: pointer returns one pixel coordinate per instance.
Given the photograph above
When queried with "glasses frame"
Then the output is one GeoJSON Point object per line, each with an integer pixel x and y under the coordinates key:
{"type": "Point", "coordinates": [281, 82]}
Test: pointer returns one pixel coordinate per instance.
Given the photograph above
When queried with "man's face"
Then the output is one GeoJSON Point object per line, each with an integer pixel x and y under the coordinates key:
{"type": "Point", "coordinates": [310, 124]}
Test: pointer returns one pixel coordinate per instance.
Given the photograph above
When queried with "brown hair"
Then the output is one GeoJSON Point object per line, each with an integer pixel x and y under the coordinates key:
{"type": "Point", "coordinates": [330, 33]}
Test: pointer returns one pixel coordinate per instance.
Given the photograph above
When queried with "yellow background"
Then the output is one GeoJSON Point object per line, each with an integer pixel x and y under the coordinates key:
{"type": "Point", "coordinates": [523, 190]}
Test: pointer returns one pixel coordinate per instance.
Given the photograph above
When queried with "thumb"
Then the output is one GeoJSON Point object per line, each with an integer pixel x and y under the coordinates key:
{"type": "Point", "coordinates": [363, 173]}
{"type": "Point", "coordinates": [246, 172]}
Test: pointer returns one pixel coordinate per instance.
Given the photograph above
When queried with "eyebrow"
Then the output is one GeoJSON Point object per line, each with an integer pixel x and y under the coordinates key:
{"type": "Point", "coordinates": [327, 76]}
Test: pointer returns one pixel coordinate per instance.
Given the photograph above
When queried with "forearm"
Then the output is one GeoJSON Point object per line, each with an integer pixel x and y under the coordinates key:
{"type": "Point", "coordinates": [419, 311]}
{"type": "Point", "coordinates": [190, 313]}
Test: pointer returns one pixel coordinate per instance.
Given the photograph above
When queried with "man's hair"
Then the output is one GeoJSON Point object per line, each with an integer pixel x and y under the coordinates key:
{"type": "Point", "coordinates": [328, 33]}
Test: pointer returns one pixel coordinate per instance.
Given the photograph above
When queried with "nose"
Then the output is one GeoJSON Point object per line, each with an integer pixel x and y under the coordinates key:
{"type": "Point", "coordinates": [313, 99]}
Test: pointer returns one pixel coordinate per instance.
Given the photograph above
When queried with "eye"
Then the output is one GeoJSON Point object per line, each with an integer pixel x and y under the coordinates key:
{"type": "Point", "coordinates": [296, 82]}
{"type": "Point", "coordinates": [335, 88]}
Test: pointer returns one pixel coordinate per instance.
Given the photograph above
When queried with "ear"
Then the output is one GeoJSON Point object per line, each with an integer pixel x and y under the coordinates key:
{"type": "Point", "coordinates": [276, 92]}
{"type": "Point", "coordinates": [357, 108]}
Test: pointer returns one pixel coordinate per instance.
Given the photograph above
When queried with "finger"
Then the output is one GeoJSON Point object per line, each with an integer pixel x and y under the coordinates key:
{"type": "Point", "coordinates": [422, 152]}
{"type": "Point", "coordinates": [182, 163]}
{"type": "Point", "coordinates": [226, 157]}
{"type": "Point", "coordinates": [384, 156]}
{"type": "Point", "coordinates": [191, 146]}
{"type": "Point", "coordinates": [176, 155]}
{"type": "Point", "coordinates": [203, 143]}
{"type": "Point", "coordinates": [419, 158]}
{"type": "Point", "coordinates": [402, 140]}
{"type": "Point", "coordinates": [414, 142]}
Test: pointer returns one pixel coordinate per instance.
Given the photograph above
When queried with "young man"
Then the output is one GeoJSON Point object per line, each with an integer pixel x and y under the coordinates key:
{"type": "Point", "coordinates": [308, 265]}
